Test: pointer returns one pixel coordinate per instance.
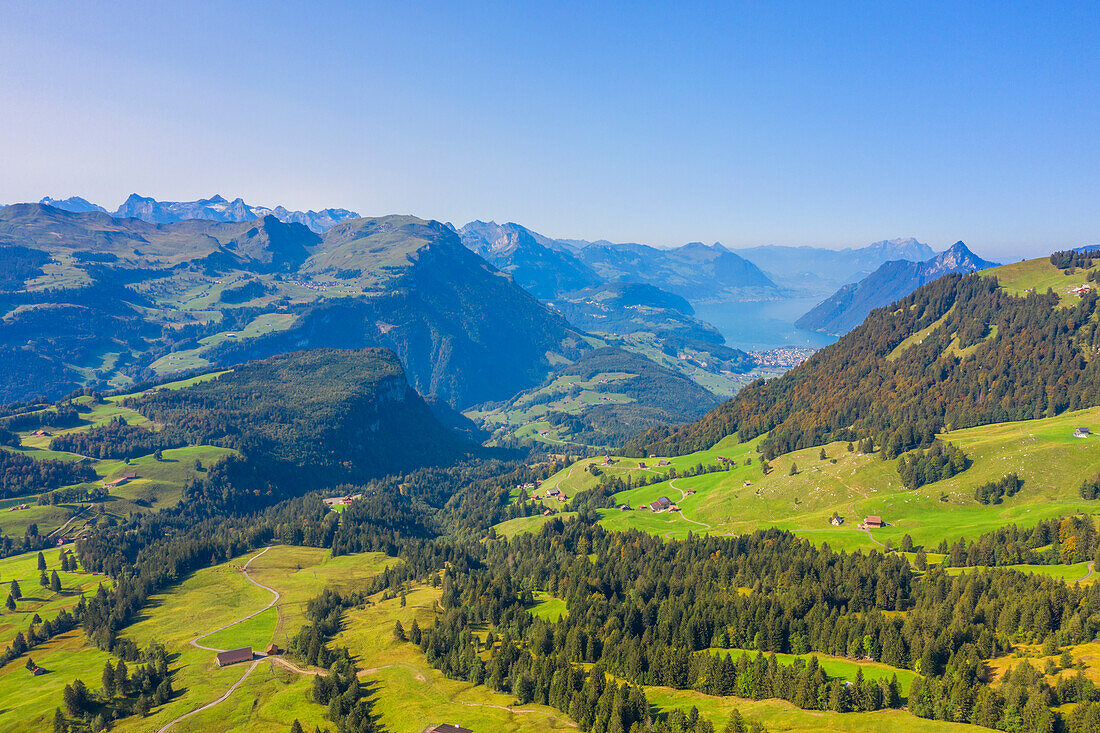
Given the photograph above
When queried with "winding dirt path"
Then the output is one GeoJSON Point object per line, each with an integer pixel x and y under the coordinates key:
{"type": "Point", "coordinates": [251, 667]}
{"type": "Point", "coordinates": [683, 495]}
{"type": "Point", "coordinates": [195, 641]}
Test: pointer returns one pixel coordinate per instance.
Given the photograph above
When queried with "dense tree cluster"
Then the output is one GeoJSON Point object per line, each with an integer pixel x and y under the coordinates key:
{"type": "Point", "coordinates": [124, 692]}
{"type": "Point", "coordinates": [21, 475]}
{"type": "Point", "coordinates": [936, 463]}
{"type": "Point", "coordinates": [117, 439]}
{"type": "Point", "coordinates": [994, 492]}
{"type": "Point", "coordinates": [1050, 542]}
{"type": "Point", "coordinates": [348, 705]}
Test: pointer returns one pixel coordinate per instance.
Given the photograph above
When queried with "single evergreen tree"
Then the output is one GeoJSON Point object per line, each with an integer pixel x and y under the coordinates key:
{"type": "Point", "coordinates": [55, 582]}
{"type": "Point", "coordinates": [14, 590]}
{"type": "Point", "coordinates": [41, 561]}
{"type": "Point", "coordinates": [399, 632]}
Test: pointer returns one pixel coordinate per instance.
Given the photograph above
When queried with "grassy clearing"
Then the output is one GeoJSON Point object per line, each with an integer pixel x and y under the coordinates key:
{"type": "Point", "coordinates": [209, 598]}
{"type": "Point", "coordinates": [548, 607]}
{"type": "Point", "coordinates": [1038, 275]}
{"type": "Point", "coordinates": [36, 599]}
{"type": "Point", "coordinates": [840, 667]}
{"type": "Point", "coordinates": [783, 717]}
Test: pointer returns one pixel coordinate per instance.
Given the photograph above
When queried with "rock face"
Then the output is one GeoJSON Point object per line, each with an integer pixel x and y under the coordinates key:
{"type": "Point", "coordinates": [847, 308]}
{"type": "Point", "coordinates": [215, 208]}
{"type": "Point", "coordinates": [536, 262]}
{"type": "Point", "coordinates": [74, 204]}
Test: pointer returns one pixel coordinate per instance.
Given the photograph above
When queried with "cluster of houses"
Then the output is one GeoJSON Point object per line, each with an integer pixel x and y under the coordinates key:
{"type": "Point", "coordinates": [17, 508]}
{"type": "Point", "coordinates": [332, 501]}
{"type": "Point", "coordinates": [123, 479]}
{"type": "Point", "coordinates": [1080, 289]}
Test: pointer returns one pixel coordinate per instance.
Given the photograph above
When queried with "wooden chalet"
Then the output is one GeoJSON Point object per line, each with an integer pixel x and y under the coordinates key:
{"type": "Point", "coordinates": [272, 649]}
{"type": "Point", "coordinates": [873, 521]}
{"type": "Point", "coordinates": [1081, 433]}
{"type": "Point", "coordinates": [123, 479]}
{"type": "Point", "coordinates": [448, 728]}
{"type": "Point", "coordinates": [234, 656]}
{"type": "Point", "coordinates": [664, 463]}
{"type": "Point", "coordinates": [662, 504]}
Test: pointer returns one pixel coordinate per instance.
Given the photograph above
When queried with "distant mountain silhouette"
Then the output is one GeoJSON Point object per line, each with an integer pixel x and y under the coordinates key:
{"type": "Point", "coordinates": [215, 208]}
{"type": "Point", "coordinates": [847, 307]}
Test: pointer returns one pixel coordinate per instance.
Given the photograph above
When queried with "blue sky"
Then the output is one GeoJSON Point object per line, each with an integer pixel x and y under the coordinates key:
{"type": "Point", "coordinates": [828, 124]}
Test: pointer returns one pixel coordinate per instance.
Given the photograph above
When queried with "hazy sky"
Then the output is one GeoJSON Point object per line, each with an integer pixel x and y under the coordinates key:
{"type": "Point", "coordinates": [770, 123]}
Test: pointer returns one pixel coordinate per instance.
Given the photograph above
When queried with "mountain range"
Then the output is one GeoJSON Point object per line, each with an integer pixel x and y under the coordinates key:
{"type": "Point", "coordinates": [101, 301]}
{"type": "Point", "coordinates": [849, 306]}
{"type": "Point", "coordinates": [215, 208]}
{"type": "Point", "coordinates": [820, 271]}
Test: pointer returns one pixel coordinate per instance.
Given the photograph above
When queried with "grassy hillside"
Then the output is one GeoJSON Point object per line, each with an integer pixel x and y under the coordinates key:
{"type": "Point", "coordinates": [205, 601]}
{"type": "Point", "coordinates": [1051, 462]}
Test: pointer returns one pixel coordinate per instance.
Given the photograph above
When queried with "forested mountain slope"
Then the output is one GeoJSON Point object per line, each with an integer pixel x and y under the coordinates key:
{"type": "Point", "coordinates": [321, 416]}
{"type": "Point", "coordinates": [958, 352]}
{"type": "Point", "coordinates": [603, 398]}
{"type": "Point", "coordinates": [93, 300]}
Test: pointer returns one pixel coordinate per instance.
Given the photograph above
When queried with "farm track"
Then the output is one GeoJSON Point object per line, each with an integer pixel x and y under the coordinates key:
{"type": "Point", "coordinates": [252, 667]}
{"type": "Point", "coordinates": [672, 484]}
{"type": "Point", "coordinates": [221, 699]}
{"type": "Point", "coordinates": [195, 641]}
{"type": "Point", "coordinates": [65, 526]}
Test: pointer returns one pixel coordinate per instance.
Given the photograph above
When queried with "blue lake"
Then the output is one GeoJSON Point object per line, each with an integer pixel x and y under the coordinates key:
{"type": "Point", "coordinates": [763, 324]}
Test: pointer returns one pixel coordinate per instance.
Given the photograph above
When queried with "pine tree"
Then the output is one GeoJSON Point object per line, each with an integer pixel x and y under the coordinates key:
{"type": "Point", "coordinates": [59, 725]}
{"type": "Point", "coordinates": [399, 632]}
{"type": "Point", "coordinates": [794, 468]}
{"type": "Point", "coordinates": [41, 561]}
{"type": "Point", "coordinates": [55, 582]}
{"type": "Point", "coordinates": [10, 603]}
{"type": "Point", "coordinates": [822, 455]}
{"type": "Point", "coordinates": [735, 724]}
{"type": "Point", "coordinates": [296, 727]}
{"type": "Point", "coordinates": [108, 679]}
{"type": "Point", "coordinates": [43, 579]}
{"type": "Point", "coordinates": [14, 590]}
